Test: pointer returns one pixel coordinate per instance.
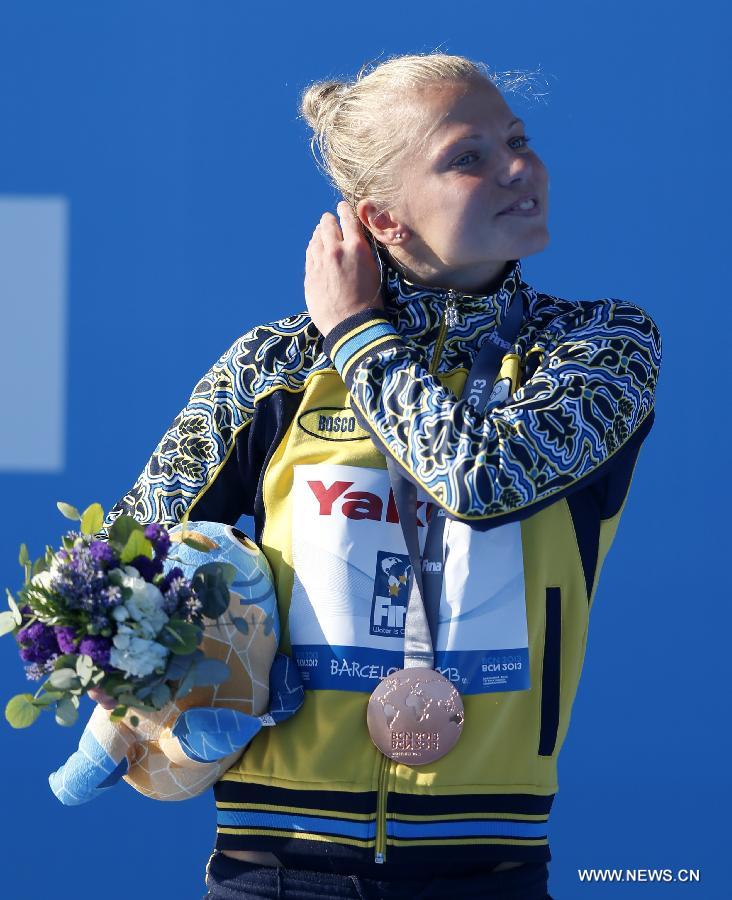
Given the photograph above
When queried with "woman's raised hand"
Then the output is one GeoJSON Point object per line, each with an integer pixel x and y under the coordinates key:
{"type": "Point", "coordinates": [341, 274]}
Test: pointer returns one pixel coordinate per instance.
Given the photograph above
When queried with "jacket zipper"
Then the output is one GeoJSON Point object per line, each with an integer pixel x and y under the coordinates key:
{"type": "Point", "coordinates": [380, 849]}
{"type": "Point", "coordinates": [449, 320]}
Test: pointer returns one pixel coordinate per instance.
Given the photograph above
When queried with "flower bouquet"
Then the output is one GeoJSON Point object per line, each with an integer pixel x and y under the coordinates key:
{"type": "Point", "coordinates": [100, 617]}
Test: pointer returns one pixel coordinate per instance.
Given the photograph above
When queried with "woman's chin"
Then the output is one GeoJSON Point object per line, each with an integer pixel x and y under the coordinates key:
{"type": "Point", "coordinates": [534, 243]}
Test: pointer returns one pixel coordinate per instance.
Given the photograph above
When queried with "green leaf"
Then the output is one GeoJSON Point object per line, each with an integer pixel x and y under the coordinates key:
{"type": "Point", "coordinates": [40, 565]}
{"type": "Point", "coordinates": [84, 668]}
{"type": "Point", "coordinates": [14, 611]}
{"type": "Point", "coordinates": [187, 684]}
{"type": "Point", "coordinates": [184, 636]}
{"type": "Point", "coordinates": [7, 622]}
{"type": "Point", "coordinates": [23, 557]}
{"type": "Point", "coordinates": [161, 695]}
{"type": "Point", "coordinates": [195, 543]}
{"type": "Point", "coordinates": [114, 684]}
{"type": "Point", "coordinates": [48, 697]}
{"type": "Point", "coordinates": [21, 711]}
{"type": "Point", "coordinates": [119, 712]}
{"type": "Point", "coordinates": [93, 519]}
{"type": "Point", "coordinates": [128, 698]}
{"type": "Point", "coordinates": [137, 545]}
{"type": "Point", "coordinates": [122, 528]}
{"type": "Point", "coordinates": [71, 512]}
{"type": "Point", "coordinates": [132, 700]}
{"type": "Point", "coordinates": [66, 713]}
{"type": "Point", "coordinates": [211, 583]}
{"type": "Point", "coordinates": [65, 680]}
{"type": "Point", "coordinates": [178, 666]}
{"type": "Point", "coordinates": [134, 721]}
{"type": "Point", "coordinates": [146, 688]}
{"type": "Point", "coordinates": [228, 572]}
{"type": "Point", "coordinates": [68, 660]}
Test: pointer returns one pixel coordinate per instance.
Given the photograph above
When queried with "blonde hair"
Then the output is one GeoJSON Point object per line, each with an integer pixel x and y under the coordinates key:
{"type": "Point", "coordinates": [363, 128]}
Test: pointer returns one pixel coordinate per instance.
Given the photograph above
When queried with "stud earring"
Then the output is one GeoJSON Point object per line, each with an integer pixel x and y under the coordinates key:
{"type": "Point", "coordinates": [398, 236]}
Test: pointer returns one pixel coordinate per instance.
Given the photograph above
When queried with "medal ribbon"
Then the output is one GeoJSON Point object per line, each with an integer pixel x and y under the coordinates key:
{"type": "Point", "coordinates": [425, 588]}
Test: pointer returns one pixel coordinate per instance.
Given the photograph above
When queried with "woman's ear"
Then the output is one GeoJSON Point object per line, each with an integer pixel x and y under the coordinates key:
{"type": "Point", "coordinates": [379, 223]}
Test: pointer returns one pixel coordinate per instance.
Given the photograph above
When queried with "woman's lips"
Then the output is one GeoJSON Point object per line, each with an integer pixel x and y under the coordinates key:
{"type": "Point", "coordinates": [522, 212]}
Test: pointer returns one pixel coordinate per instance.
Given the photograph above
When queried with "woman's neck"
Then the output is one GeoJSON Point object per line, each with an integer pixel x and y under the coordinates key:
{"type": "Point", "coordinates": [483, 279]}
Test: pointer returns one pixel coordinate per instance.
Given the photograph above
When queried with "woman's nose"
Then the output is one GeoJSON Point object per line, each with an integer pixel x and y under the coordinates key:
{"type": "Point", "coordinates": [514, 168]}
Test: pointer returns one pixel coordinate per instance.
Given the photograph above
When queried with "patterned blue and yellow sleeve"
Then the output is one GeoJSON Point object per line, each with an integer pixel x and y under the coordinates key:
{"type": "Point", "coordinates": [592, 395]}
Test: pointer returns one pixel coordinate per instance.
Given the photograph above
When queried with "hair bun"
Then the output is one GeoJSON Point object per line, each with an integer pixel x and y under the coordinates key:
{"type": "Point", "coordinates": [318, 101]}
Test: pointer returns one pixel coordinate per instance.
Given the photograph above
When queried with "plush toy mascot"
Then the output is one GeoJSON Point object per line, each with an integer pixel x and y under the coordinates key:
{"type": "Point", "coordinates": [186, 746]}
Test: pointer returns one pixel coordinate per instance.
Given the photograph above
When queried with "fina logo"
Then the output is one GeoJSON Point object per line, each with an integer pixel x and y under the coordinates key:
{"type": "Point", "coordinates": [391, 594]}
{"type": "Point", "coordinates": [501, 392]}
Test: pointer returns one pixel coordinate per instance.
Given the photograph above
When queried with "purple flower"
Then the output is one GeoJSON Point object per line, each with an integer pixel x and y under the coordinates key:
{"type": "Point", "coordinates": [98, 648]}
{"type": "Point", "coordinates": [175, 572]}
{"type": "Point", "coordinates": [35, 671]}
{"type": "Point", "coordinates": [103, 553]}
{"type": "Point", "coordinates": [160, 538]}
{"type": "Point", "coordinates": [98, 623]}
{"type": "Point", "coordinates": [181, 600]}
{"type": "Point", "coordinates": [148, 568]}
{"type": "Point", "coordinates": [37, 643]}
{"type": "Point", "coordinates": [66, 637]}
{"type": "Point", "coordinates": [82, 581]}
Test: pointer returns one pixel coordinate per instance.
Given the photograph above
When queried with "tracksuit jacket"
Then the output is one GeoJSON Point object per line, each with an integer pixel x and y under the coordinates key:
{"type": "Point", "coordinates": [293, 429]}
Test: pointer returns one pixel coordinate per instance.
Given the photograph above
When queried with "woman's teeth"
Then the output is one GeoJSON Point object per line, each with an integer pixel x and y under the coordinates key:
{"type": "Point", "coordinates": [524, 206]}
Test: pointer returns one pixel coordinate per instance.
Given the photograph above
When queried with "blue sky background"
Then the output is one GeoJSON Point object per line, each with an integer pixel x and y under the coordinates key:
{"type": "Point", "coordinates": [157, 194]}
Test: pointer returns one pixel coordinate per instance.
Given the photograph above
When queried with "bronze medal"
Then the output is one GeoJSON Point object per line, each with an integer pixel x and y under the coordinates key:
{"type": "Point", "coordinates": [415, 716]}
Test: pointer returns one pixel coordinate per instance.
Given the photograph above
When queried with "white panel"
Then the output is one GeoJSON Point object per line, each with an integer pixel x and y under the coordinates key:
{"type": "Point", "coordinates": [33, 289]}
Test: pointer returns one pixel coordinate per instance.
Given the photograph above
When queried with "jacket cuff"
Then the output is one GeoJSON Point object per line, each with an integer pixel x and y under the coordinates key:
{"type": "Point", "coordinates": [356, 337]}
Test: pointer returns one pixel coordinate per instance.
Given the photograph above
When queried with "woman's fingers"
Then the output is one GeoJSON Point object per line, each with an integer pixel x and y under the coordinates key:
{"type": "Point", "coordinates": [349, 222]}
{"type": "Point", "coordinates": [329, 228]}
{"type": "Point", "coordinates": [345, 228]}
{"type": "Point", "coordinates": [341, 276]}
{"type": "Point", "coordinates": [314, 247]}
{"type": "Point", "coordinates": [102, 698]}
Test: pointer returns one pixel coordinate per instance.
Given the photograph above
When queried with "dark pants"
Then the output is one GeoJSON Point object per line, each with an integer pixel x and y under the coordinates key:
{"type": "Point", "coordinates": [232, 879]}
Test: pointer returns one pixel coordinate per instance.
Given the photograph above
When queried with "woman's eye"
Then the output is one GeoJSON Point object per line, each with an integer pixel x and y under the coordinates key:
{"type": "Point", "coordinates": [522, 137]}
{"type": "Point", "coordinates": [464, 156]}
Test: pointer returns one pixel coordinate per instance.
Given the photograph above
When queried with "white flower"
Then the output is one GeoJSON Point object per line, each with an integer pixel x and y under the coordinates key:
{"type": "Point", "coordinates": [123, 637]}
{"type": "Point", "coordinates": [43, 580]}
{"type": "Point", "coordinates": [137, 656]}
{"type": "Point", "coordinates": [119, 613]}
{"type": "Point", "coordinates": [146, 607]}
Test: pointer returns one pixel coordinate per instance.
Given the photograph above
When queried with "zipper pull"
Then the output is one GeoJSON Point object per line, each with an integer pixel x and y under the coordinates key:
{"type": "Point", "coordinates": [451, 313]}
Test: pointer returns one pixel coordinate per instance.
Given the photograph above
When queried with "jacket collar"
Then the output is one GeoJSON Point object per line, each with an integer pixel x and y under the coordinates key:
{"type": "Point", "coordinates": [398, 291]}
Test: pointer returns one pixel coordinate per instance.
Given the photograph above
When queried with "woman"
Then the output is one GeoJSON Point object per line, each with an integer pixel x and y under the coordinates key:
{"type": "Point", "coordinates": [292, 425]}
